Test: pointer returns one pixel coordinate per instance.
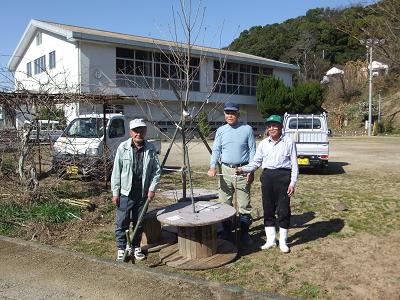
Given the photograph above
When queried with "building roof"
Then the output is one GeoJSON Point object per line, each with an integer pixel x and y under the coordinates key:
{"type": "Point", "coordinates": [376, 65]}
{"type": "Point", "coordinates": [75, 33]}
{"type": "Point", "coordinates": [334, 71]}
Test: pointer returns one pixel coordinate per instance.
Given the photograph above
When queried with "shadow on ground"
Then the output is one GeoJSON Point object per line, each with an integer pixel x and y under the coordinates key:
{"type": "Point", "coordinates": [317, 230]}
{"type": "Point", "coordinates": [310, 231]}
{"type": "Point", "coordinates": [334, 168]}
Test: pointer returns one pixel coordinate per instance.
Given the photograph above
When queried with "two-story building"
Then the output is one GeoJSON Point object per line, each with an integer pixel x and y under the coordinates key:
{"type": "Point", "coordinates": [53, 57]}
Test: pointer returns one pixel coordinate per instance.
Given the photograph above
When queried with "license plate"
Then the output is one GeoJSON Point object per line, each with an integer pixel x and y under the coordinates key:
{"type": "Point", "coordinates": [72, 170]}
{"type": "Point", "coordinates": [303, 161]}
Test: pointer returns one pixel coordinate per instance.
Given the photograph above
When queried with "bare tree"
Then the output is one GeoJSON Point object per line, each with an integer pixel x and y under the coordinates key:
{"type": "Point", "coordinates": [386, 25]}
{"type": "Point", "coordinates": [185, 59]}
{"type": "Point", "coordinates": [380, 21]}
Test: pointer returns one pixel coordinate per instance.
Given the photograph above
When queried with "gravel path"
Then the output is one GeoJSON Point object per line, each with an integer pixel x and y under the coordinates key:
{"type": "Point", "coordinates": [32, 271]}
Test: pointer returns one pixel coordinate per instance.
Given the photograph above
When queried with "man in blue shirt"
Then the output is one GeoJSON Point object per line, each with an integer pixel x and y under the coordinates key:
{"type": "Point", "coordinates": [277, 155]}
{"type": "Point", "coordinates": [234, 146]}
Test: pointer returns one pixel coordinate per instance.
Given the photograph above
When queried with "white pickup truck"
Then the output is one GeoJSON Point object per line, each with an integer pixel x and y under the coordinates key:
{"type": "Point", "coordinates": [310, 132]}
{"type": "Point", "coordinates": [79, 150]}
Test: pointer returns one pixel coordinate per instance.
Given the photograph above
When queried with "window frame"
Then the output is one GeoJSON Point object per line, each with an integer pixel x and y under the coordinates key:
{"type": "Point", "coordinates": [237, 78]}
{"type": "Point", "coordinates": [38, 38]}
{"type": "Point", "coordinates": [305, 123]}
{"type": "Point", "coordinates": [149, 69]}
{"type": "Point", "coordinates": [122, 134]}
{"type": "Point", "coordinates": [52, 59]}
{"type": "Point", "coordinates": [114, 109]}
{"type": "Point", "coordinates": [40, 65]}
{"type": "Point", "coordinates": [29, 69]}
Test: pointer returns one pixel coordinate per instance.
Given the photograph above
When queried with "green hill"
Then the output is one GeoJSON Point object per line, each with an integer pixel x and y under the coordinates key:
{"type": "Point", "coordinates": [327, 37]}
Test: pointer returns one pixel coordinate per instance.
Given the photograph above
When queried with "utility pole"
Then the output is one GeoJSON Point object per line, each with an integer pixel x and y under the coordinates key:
{"type": "Point", "coordinates": [379, 108]}
{"type": "Point", "coordinates": [370, 92]}
{"type": "Point", "coordinates": [369, 43]}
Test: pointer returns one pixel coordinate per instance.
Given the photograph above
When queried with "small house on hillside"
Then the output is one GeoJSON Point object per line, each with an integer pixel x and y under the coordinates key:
{"type": "Point", "coordinates": [331, 72]}
{"type": "Point", "coordinates": [378, 69]}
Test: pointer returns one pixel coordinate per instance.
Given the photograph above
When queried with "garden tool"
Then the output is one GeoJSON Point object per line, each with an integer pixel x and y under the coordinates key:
{"type": "Point", "coordinates": [135, 230]}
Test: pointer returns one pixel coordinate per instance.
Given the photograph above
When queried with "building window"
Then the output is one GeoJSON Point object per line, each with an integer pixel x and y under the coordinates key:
{"type": "Point", "coordinates": [239, 79]}
{"type": "Point", "coordinates": [52, 60]}
{"type": "Point", "coordinates": [40, 65]}
{"type": "Point", "coordinates": [114, 109]}
{"type": "Point", "coordinates": [29, 69]}
{"type": "Point", "coordinates": [38, 38]}
{"type": "Point", "coordinates": [147, 69]}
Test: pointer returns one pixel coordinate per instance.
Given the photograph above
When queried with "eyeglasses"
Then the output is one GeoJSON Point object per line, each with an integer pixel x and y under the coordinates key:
{"type": "Point", "coordinates": [274, 126]}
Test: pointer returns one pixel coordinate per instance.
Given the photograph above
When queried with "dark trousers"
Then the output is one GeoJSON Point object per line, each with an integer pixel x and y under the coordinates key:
{"type": "Point", "coordinates": [128, 211]}
{"type": "Point", "coordinates": [274, 185]}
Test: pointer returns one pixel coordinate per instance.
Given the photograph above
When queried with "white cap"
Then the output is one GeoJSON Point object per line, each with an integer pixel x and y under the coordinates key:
{"type": "Point", "coordinates": [137, 123]}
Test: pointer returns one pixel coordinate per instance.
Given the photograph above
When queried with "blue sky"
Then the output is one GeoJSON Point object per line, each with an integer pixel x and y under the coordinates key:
{"type": "Point", "coordinates": [223, 20]}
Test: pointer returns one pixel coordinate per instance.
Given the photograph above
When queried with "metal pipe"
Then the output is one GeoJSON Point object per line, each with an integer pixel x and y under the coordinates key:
{"type": "Point", "coordinates": [105, 145]}
{"type": "Point", "coordinates": [190, 178]}
{"type": "Point", "coordinates": [170, 145]}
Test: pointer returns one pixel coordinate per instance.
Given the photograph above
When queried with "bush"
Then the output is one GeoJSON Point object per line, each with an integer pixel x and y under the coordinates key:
{"type": "Point", "coordinates": [273, 97]}
{"type": "Point", "coordinates": [307, 98]}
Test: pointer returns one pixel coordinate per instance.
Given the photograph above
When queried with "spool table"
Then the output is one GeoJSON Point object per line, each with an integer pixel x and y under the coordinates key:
{"type": "Point", "coordinates": [154, 238]}
{"type": "Point", "coordinates": [198, 247]}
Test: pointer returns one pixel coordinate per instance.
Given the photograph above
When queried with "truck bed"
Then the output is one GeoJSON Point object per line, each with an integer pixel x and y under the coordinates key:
{"type": "Point", "coordinates": [310, 143]}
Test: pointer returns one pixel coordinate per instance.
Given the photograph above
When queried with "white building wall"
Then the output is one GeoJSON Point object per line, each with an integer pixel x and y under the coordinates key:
{"type": "Point", "coordinates": [98, 68]}
{"type": "Point", "coordinates": [63, 78]}
{"type": "Point", "coordinates": [285, 76]}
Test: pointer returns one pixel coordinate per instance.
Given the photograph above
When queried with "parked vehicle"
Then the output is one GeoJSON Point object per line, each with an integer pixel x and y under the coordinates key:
{"type": "Point", "coordinates": [310, 132]}
{"type": "Point", "coordinates": [80, 149]}
{"type": "Point", "coordinates": [49, 130]}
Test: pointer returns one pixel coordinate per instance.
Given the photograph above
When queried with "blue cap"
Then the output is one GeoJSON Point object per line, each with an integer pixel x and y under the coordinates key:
{"type": "Point", "coordinates": [231, 106]}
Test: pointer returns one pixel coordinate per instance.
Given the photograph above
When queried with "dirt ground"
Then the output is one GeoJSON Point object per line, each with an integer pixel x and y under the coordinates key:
{"type": "Point", "coordinates": [328, 255]}
{"type": "Point", "coordinates": [33, 271]}
{"type": "Point", "coordinates": [334, 254]}
{"type": "Point", "coordinates": [358, 153]}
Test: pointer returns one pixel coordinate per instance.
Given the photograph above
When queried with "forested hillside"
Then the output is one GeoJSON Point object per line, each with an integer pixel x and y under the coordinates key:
{"type": "Point", "coordinates": [327, 37]}
{"type": "Point", "coordinates": [323, 37]}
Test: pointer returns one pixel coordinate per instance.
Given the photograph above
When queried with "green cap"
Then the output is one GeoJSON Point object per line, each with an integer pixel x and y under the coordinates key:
{"type": "Point", "coordinates": [274, 119]}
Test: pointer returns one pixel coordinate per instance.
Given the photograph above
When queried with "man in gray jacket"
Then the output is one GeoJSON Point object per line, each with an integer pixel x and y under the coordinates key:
{"type": "Point", "coordinates": [135, 176]}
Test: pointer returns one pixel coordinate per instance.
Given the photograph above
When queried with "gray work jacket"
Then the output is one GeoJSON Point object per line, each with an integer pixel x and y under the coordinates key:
{"type": "Point", "coordinates": [121, 178]}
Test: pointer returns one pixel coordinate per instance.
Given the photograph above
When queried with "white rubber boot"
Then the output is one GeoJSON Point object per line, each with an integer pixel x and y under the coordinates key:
{"type": "Point", "coordinates": [271, 236]}
{"type": "Point", "coordinates": [283, 234]}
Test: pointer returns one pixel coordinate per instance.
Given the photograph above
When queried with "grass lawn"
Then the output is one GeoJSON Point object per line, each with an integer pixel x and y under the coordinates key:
{"type": "Point", "coordinates": [345, 227]}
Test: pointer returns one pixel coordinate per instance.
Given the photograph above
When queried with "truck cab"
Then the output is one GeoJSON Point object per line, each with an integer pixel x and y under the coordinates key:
{"type": "Point", "coordinates": [80, 149]}
{"type": "Point", "coordinates": [310, 133]}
